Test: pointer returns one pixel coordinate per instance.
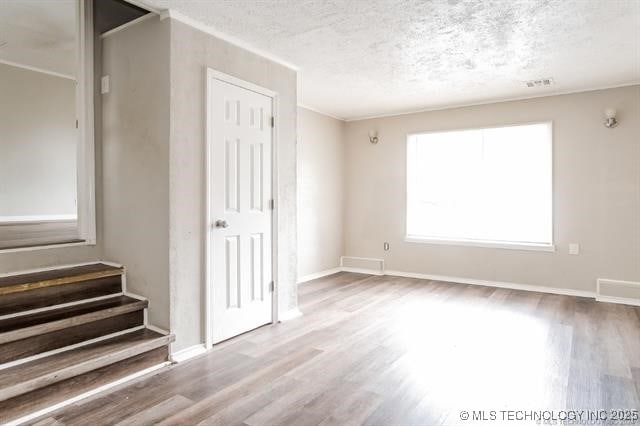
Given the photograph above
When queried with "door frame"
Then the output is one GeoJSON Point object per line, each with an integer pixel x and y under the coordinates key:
{"type": "Point", "coordinates": [210, 75]}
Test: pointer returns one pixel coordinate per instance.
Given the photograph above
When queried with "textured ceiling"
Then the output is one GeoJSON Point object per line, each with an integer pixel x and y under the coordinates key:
{"type": "Point", "coordinates": [360, 58]}
{"type": "Point", "coordinates": [40, 34]}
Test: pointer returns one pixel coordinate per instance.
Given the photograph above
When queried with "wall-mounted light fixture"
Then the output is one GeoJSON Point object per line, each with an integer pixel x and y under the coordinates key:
{"type": "Point", "coordinates": [610, 118]}
{"type": "Point", "coordinates": [373, 136]}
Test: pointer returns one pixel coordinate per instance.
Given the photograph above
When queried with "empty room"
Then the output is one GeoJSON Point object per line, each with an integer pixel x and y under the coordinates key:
{"type": "Point", "coordinates": [314, 212]}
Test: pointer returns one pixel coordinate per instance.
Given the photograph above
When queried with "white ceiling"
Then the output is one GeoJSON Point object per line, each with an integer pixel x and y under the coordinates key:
{"type": "Point", "coordinates": [39, 34]}
{"type": "Point", "coordinates": [360, 58]}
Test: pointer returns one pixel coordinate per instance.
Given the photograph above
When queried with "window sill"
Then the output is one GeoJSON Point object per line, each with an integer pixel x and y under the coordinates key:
{"type": "Point", "coordinates": [482, 243]}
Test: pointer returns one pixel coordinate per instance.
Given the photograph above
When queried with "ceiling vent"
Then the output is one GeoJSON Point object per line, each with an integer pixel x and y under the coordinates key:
{"type": "Point", "coordinates": [541, 82]}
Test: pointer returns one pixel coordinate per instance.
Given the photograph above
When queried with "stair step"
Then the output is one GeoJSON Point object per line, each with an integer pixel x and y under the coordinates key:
{"type": "Point", "coordinates": [35, 334]}
{"type": "Point", "coordinates": [18, 380]}
{"type": "Point", "coordinates": [23, 292]}
{"type": "Point", "coordinates": [55, 277]}
{"type": "Point", "coordinates": [30, 403]}
{"type": "Point", "coordinates": [17, 328]}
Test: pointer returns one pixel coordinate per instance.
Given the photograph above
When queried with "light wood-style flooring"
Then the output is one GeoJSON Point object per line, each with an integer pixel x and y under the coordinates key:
{"type": "Point", "coordinates": [396, 351]}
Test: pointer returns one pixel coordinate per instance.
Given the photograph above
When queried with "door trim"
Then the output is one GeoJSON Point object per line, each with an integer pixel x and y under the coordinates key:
{"type": "Point", "coordinates": [210, 75]}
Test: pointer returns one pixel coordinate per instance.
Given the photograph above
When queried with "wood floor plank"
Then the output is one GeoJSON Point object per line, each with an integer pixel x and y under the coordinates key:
{"type": "Point", "coordinates": [384, 350]}
{"type": "Point", "coordinates": [208, 406]}
{"type": "Point", "coordinates": [157, 412]}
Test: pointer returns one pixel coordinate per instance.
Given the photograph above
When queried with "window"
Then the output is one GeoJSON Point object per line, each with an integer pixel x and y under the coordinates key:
{"type": "Point", "coordinates": [488, 186]}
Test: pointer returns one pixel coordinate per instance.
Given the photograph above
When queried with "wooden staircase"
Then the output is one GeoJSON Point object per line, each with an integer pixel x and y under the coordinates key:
{"type": "Point", "coordinates": [69, 331]}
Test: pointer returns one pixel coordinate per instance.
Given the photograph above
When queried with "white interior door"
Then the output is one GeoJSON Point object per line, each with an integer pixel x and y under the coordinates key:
{"type": "Point", "coordinates": [240, 137]}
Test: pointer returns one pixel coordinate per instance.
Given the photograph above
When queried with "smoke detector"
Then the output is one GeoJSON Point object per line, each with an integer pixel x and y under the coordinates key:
{"type": "Point", "coordinates": [541, 82]}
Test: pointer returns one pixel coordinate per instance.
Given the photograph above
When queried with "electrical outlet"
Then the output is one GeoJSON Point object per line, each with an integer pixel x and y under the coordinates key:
{"type": "Point", "coordinates": [574, 248]}
{"type": "Point", "coordinates": [386, 246]}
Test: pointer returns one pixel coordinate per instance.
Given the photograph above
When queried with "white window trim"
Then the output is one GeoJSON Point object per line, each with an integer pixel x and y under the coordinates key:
{"type": "Point", "coordinates": [509, 245]}
{"type": "Point", "coordinates": [86, 145]}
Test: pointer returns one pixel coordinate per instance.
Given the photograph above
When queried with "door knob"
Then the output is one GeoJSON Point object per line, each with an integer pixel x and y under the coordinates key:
{"type": "Point", "coordinates": [221, 223]}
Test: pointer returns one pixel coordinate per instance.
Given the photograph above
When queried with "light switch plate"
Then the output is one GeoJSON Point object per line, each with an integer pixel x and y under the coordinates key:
{"type": "Point", "coordinates": [574, 248]}
{"type": "Point", "coordinates": [105, 84]}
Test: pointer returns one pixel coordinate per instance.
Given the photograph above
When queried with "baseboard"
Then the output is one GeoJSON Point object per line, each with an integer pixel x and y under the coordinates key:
{"type": "Point", "coordinates": [317, 275]}
{"type": "Point", "coordinates": [157, 329]}
{"type": "Point", "coordinates": [618, 300]}
{"type": "Point", "coordinates": [499, 284]}
{"type": "Point", "coordinates": [188, 353]}
{"type": "Point", "coordinates": [134, 296]}
{"type": "Point", "coordinates": [289, 315]}
{"type": "Point", "coordinates": [597, 295]}
{"type": "Point", "coordinates": [618, 291]}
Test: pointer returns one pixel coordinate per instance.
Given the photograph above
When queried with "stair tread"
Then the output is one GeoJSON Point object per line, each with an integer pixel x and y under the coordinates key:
{"type": "Point", "coordinates": [59, 295]}
{"type": "Point", "coordinates": [52, 365]}
{"type": "Point", "coordinates": [68, 312]}
{"type": "Point", "coordinates": [55, 274]}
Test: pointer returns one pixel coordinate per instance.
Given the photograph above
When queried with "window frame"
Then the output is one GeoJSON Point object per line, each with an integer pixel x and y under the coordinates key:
{"type": "Point", "coordinates": [509, 245]}
{"type": "Point", "coordinates": [85, 153]}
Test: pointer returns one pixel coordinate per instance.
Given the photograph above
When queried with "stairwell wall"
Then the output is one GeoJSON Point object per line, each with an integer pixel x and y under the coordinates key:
{"type": "Point", "coordinates": [135, 160]}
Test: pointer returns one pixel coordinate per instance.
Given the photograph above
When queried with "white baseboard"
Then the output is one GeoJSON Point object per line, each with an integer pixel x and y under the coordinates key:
{"type": "Point", "coordinates": [289, 315]}
{"type": "Point", "coordinates": [488, 283]}
{"type": "Point", "coordinates": [188, 353]}
{"type": "Point", "coordinates": [134, 296]}
{"type": "Point", "coordinates": [621, 286]}
{"type": "Point", "coordinates": [157, 329]}
{"type": "Point", "coordinates": [499, 284]}
{"type": "Point", "coordinates": [317, 275]}
{"type": "Point", "coordinates": [618, 300]}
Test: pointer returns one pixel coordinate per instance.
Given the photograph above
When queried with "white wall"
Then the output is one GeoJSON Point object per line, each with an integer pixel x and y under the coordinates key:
{"type": "Point", "coordinates": [320, 192]}
{"type": "Point", "coordinates": [135, 160]}
{"type": "Point", "coordinates": [191, 52]}
{"type": "Point", "coordinates": [38, 143]}
{"type": "Point", "coordinates": [596, 192]}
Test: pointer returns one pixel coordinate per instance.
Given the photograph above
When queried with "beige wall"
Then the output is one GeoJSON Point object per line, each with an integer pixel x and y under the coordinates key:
{"type": "Point", "coordinates": [39, 143]}
{"type": "Point", "coordinates": [56, 256]}
{"type": "Point", "coordinates": [320, 192]}
{"type": "Point", "coordinates": [596, 192]}
{"type": "Point", "coordinates": [135, 160]}
{"type": "Point", "coordinates": [191, 52]}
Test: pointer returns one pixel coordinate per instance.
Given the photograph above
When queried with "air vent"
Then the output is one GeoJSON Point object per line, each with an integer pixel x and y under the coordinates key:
{"type": "Point", "coordinates": [540, 82]}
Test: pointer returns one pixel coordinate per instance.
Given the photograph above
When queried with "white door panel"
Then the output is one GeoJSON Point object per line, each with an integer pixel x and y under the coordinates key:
{"type": "Point", "coordinates": [241, 190]}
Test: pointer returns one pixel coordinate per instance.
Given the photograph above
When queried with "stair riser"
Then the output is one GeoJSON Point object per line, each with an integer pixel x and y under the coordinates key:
{"type": "Point", "coordinates": [69, 336]}
{"type": "Point", "coordinates": [28, 403]}
{"type": "Point", "coordinates": [55, 295]}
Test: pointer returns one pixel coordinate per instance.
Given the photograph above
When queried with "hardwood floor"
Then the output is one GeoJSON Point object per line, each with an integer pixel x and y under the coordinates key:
{"type": "Point", "coordinates": [396, 351]}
